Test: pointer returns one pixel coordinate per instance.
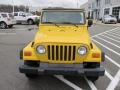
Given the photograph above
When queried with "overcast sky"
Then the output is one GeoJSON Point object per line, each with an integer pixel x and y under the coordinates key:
{"type": "Point", "coordinates": [44, 3]}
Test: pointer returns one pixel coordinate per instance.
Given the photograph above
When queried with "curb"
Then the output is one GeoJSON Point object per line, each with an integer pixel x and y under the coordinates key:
{"type": "Point", "coordinates": [98, 23]}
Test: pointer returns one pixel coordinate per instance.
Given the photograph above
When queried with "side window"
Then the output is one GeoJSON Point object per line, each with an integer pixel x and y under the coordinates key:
{"type": "Point", "coordinates": [4, 15]}
{"type": "Point", "coordinates": [15, 14]}
{"type": "Point", "coordinates": [21, 14]}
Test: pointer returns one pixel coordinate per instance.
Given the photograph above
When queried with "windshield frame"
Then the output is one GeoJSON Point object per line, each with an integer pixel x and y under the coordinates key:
{"type": "Point", "coordinates": [64, 11]}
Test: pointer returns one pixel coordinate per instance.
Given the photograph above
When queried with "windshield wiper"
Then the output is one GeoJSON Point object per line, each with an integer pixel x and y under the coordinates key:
{"type": "Point", "coordinates": [52, 23]}
{"type": "Point", "coordinates": [69, 23]}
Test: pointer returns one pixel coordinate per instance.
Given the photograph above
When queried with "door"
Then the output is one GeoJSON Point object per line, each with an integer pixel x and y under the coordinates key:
{"type": "Point", "coordinates": [16, 16]}
{"type": "Point", "coordinates": [22, 17]}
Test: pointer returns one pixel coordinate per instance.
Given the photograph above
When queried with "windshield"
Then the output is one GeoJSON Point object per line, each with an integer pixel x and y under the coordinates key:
{"type": "Point", "coordinates": [75, 17]}
{"type": "Point", "coordinates": [112, 16]}
{"type": "Point", "coordinates": [109, 16]}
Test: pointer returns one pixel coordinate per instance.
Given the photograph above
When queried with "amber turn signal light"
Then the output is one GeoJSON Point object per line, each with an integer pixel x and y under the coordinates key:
{"type": "Point", "coordinates": [27, 53]}
{"type": "Point", "coordinates": [96, 55]}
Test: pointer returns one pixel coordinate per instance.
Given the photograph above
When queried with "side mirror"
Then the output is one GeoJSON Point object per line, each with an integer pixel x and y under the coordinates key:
{"type": "Point", "coordinates": [90, 23]}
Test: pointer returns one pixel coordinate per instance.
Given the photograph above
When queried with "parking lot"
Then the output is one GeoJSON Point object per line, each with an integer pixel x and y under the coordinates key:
{"type": "Point", "coordinates": [13, 40]}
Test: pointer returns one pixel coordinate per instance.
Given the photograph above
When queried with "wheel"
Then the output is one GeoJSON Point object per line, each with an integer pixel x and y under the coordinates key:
{"type": "Point", "coordinates": [92, 65]}
{"type": "Point", "coordinates": [30, 22]}
{"type": "Point", "coordinates": [3, 25]}
{"type": "Point", "coordinates": [93, 78]}
{"type": "Point", "coordinates": [105, 23]}
{"type": "Point", "coordinates": [31, 76]}
{"type": "Point", "coordinates": [32, 64]}
{"type": "Point", "coordinates": [10, 26]}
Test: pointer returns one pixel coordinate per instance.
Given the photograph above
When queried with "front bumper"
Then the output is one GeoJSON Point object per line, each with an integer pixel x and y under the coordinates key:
{"type": "Point", "coordinates": [111, 21]}
{"type": "Point", "coordinates": [62, 69]}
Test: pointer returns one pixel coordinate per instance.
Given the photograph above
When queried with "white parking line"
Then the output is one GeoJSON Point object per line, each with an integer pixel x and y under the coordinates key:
{"type": "Point", "coordinates": [113, 33]}
{"type": "Point", "coordinates": [113, 61]}
{"type": "Point", "coordinates": [113, 36]}
{"type": "Point", "coordinates": [108, 42]}
{"type": "Point", "coordinates": [108, 75]}
{"type": "Point", "coordinates": [7, 33]}
{"type": "Point", "coordinates": [32, 28]}
{"type": "Point", "coordinates": [110, 38]}
{"type": "Point", "coordinates": [106, 47]}
{"type": "Point", "coordinates": [114, 82]}
{"type": "Point", "coordinates": [105, 32]}
{"type": "Point", "coordinates": [90, 83]}
{"type": "Point", "coordinates": [117, 32]}
{"type": "Point", "coordinates": [61, 78]}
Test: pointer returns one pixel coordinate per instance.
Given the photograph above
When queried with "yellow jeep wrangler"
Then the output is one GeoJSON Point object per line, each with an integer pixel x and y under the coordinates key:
{"type": "Point", "coordinates": [62, 46]}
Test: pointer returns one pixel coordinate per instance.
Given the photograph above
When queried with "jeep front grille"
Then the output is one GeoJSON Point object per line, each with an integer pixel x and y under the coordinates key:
{"type": "Point", "coordinates": [62, 53]}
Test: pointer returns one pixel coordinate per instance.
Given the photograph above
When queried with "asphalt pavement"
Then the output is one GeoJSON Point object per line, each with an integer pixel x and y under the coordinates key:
{"type": "Point", "coordinates": [107, 38]}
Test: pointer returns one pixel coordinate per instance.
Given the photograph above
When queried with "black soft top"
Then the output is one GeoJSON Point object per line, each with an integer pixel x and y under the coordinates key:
{"type": "Point", "coordinates": [57, 8]}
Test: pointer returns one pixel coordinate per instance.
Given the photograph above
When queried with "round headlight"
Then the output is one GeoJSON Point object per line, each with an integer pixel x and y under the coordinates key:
{"type": "Point", "coordinates": [41, 49]}
{"type": "Point", "coordinates": [82, 50]}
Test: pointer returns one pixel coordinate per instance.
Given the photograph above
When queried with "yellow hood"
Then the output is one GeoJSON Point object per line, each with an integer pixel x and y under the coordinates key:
{"type": "Point", "coordinates": [62, 34]}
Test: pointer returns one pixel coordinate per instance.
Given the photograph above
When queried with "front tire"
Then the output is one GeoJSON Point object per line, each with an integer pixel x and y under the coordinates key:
{"type": "Point", "coordinates": [10, 26]}
{"type": "Point", "coordinates": [31, 76]}
{"type": "Point", "coordinates": [92, 65]}
{"type": "Point", "coordinates": [93, 78]}
{"type": "Point", "coordinates": [3, 25]}
{"type": "Point", "coordinates": [30, 22]}
{"type": "Point", "coordinates": [32, 64]}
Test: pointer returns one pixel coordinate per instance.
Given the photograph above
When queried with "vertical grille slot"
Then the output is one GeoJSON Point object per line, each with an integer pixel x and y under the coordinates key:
{"type": "Point", "coordinates": [57, 52]}
{"type": "Point", "coordinates": [61, 52]}
{"type": "Point", "coordinates": [69, 55]}
{"type": "Point", "coordinates": [74, 50]}
{"type": "Point", "coordinates": [65, 53]}
{"type": "Point", "coordinates": [48, 52]}
{"type": "Point", "coordinates": [52, 52]}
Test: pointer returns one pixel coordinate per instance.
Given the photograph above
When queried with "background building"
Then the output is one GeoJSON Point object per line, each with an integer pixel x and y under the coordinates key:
{"type": "Point", "coordinates": [85, 7]}
{"type": "Point", "coordinates": [111, 7]}
{"type": "Point", "coordinates": [96, 9]}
